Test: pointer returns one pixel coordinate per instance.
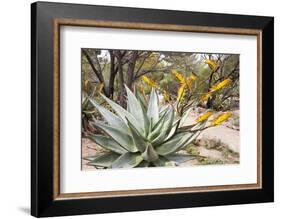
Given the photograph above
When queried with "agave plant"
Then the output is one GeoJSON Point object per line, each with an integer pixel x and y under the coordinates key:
{"type": "Point", "coordinates": [143, 135]}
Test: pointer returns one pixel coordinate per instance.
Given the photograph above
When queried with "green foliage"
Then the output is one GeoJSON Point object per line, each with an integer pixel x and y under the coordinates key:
{"type": "Point", "coordinates": [191, 149]}
{"type": "Point", "coordinates": [141, 136]}
{"type": "Point", "coordinates": [210, 161]}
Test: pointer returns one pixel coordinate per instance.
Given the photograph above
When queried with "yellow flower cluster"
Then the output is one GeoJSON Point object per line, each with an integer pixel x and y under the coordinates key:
{"type": "Point", "coordinates": [193, 77]}
{"type": "Point", "coordinates": [185, 84]}
{"type": "Point", "coordinates": [215, 88]}
{"type": "Point", "coordinates": [152, 83]}
{"type": "Point", "coordinates": [220, 85]}
{"type": "Point", "coordinates": [221, 118]}
{"type": "Point", "coordinates": [181, 93]}
{"type": "Point", "coordinates": [166, 95]}
{"type": "Point", "coordinates": [213, 65]}
{"type": "Point", "coordinates": [184, 80]}
{"type": "Point", "coordinates": [149, 81]}
{"type": "Point", "coordinates": [206, 96]}
{"type": "Point", "coordinates": [217, 121]}
{"type": "Point", "coordinates": [179, 76]}
{"type": "Point", "coordinates": [204, 117]}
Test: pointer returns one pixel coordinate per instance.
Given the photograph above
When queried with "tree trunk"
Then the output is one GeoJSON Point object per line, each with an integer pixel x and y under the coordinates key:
{"type": "Point", "coordinates": [113, 72]}
{"type": "Point", "coordinates": [122, 100]}
{"type": "Point", "coordinates": [131, 69]}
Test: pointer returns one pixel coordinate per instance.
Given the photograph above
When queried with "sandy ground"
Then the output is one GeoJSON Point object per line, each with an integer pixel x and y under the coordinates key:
{"type": "Point", "coordinates": [89, 149]}
{"type": "Point", "coordinates": [226, 135]}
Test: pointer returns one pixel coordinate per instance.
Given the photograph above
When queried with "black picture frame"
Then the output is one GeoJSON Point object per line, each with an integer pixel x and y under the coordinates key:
{"type": "Point", "coordinates": [43, 201]}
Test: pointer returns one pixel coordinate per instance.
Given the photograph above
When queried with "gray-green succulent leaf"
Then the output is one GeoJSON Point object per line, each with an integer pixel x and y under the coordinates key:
{"type": "Point", "coordinates": [150, 154]}
{"type": "Point", "coordinates": [124, 139]}
{"type": "Point", "coordinates": [104, 160]}
{"type": "Point", "coordinates": [108, 143]}
{"type": "Point", "coordinates": [127, 160]}
{"type": "Point", "coordinates": [153, 107]}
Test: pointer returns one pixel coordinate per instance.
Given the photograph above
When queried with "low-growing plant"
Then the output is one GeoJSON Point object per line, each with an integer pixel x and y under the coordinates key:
{"type": "Point", "coordinates": [85, 116]}
{"type": "Point", "coordinates": [210, 161]}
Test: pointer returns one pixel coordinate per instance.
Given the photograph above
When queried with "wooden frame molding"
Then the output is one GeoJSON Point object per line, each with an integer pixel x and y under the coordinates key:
{"type": "Point", "coordinates": [47, 198]}
{"type": "Point", "coordinates": [147, 26]}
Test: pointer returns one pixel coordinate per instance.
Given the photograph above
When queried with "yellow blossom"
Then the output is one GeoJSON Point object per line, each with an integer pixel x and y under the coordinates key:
{"type": "Point", "coordinates": [149, 81]}
{"type": "Point", "coordinates": [204, 117]}
{"type": "Point", "coordinates": [221, 118]}
{"type": "Point", "coordinates": [206, 96]}
{"type": "Point", "coordinates": [181, 92]}
{"type": "Point", "coordinates": [220, 85]}
{"type": "Point", "coordinates": [166, 95]}
{"type": "Point", "coordinates": [179, 76]}
{"type": "Point", "coordinates": [213, 65]}
{"type": "Point", "coordinates": [184, 80]}
{"type": "Point", "coordinates": [193, 77]}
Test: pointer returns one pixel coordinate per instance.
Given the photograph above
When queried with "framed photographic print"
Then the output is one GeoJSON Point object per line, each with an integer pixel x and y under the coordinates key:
{"type": "Point", "coordinates": [142, 109]}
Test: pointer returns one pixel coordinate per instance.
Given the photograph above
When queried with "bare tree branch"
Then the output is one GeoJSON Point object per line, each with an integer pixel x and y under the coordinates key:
{"type": "Point", "coordinates": [142, 62]}
{"type": "Point", "coordinates": [97, 73]}
{"type": "Point", "coordinates": [153, 68]}
{"type": "Point", "coordinates": [91, 63]}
